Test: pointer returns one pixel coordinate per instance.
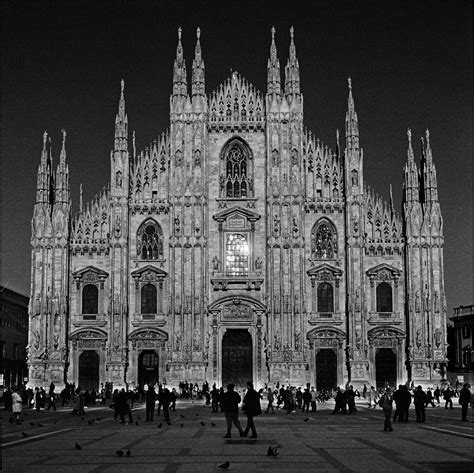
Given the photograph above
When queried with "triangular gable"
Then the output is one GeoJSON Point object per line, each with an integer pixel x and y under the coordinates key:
{"type": "Point", "coordinates": [248, 214]}
{"type": "Point", "coordinates": [322, 268]}
{"type": "Point", "coordinates": [383, 267]}
{"type": "Point", "coordinates": [149, 269]}
{"type": "Point", "coordinates": [100, 273]}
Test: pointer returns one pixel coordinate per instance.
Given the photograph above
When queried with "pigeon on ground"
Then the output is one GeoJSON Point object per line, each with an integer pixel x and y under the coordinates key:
{"type": "Point", "coordinates": [32, 424]}
{"type": "Point", "coordinates": [306, 419]}
{"type": "Point", "coordinates": [77, 446]}
{"type": "Point", "coordinates": [197, 413]}
{"type": "Point", "coordinates": [25, 434]}
{"type": "Point", "coordinates": [203, 424]}
{"type": "Point", "coordinates": [55, 421]}
{"type": "Point", "coordinates": [90, 421]}
{"type": "Point", "coordinates": [39, 425]}
{"type": "Point", "coordinates": [128, 453]}
{"type": "Point", "coordinates": [10, 420]}
{"type": "Point", "coordinates": [224, 466]}
{"type": "Point", "coordinates": [137, 423]}
{"type": "Point", "coordinates": [212, 423]}
{"type": "Point", "coordinates": [119, 453]}
{"type": "Point", "coordinates": [160, 425]}
{"type": "Point", "coordinates": [182, 425]}
{"type": "Point", "coordinates": [99, 418]}
{"type": "Point", "coordinates": [181, 415]}
{"type": "Point", "coordinates": [273, 451]}
{"type": "Point", "coordinates": [82, 418]}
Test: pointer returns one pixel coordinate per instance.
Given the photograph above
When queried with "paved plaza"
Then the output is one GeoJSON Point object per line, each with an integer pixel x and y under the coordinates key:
{"type": "Point", "coordinates": [45, 442]}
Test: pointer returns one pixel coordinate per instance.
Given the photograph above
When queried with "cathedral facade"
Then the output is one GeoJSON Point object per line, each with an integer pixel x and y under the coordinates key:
{"type": "Point", "coordinates": [237, 247]}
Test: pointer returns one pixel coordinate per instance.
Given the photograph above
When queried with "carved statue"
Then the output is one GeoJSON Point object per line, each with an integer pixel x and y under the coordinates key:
{"type": "Point", "coordinates": [358, 339]}
{"type": "Point", "coordinates": [276, 343]}
{"type": "Point", "coordinates": [436, 301]}
{"type": "Point", "coordinates": [418, 338]}
{"type": "Point", "coordinates": [417, 301]}
{"type": "Point", "coordinates": [258, 263]}
{"type": "Point", "coordinates": [297, 341]}
{"type": "Point", "coordinates": [276, 224]}
{"type": "Point", "coordinates": [437, 337]}
{"type": "Point", "coordinates": [177, 224]}
{"type": "Point", "coordinates": [215, 263]}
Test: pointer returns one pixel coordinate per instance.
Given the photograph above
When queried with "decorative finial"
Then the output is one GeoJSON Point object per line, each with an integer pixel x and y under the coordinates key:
{"type": "Point", "coordinates": [292, 30]}
{"type": "Point", "coordinates": [273, 32]}
{"type": "Point", "coordinates": [63, 131]}
{"type": "Point", "coordinates": [45, 138]}
{"type": "Point", "coordinates": [349, 81]}
{"type": "Point", "coordinates": [337, 135]}
{"type": "Point", "coordinates": [409, 135]}
{"type": "Point", "coordinates": [427, 137]}
{"type": "Point", "coordinates": [198, 32]}
{"type": "Point", "coordinates": [179, 33]}
{"type": "Point", "coordinates": [122, 85]}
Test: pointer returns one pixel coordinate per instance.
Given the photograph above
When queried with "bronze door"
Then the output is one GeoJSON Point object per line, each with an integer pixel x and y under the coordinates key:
{"type": "Point", "coordinates": [89, 370]}
{"type": "Point", "coordinates": [326, 370]}
{"type": "Point", "coordinates": [147, 368]}
{"type": "Point", "coordinates": [237, 357]}
{"type": "Point", "coordinates": [385, 368]}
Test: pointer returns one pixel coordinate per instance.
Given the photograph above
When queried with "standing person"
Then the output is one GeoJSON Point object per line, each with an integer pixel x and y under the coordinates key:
{"type": "Point", "coordinates": [306, 400]}
{"type": "Point", "coordinates": [150, 398]}
{"type": "Point", "coordinates": [372, 397]}
{"type": "Point", "coordinates": [251, 407]}
{"type": "Point", "coordinates": [350, 399]}
{"type": "Point", "coordinates": [385, 403]}
{"type": "Point", "coordinates": [430, 398]}
{"type": "Point", "coordinates": [437, 394]}
{"type": "Point", "coordinates": [17, 406]}
{"type": "Point", "coordinates": [397, 397]}
{"type": "Point", "coordinates": [215, 398]}
{"type": "Point", "coordinates": [270, 399]}
{"type": "Point", "coordinates": [164, 398]}
{"type": "Point", "coordinates": [465, 398]}
{"type": "Point", "coordinates": [448, 397]}
{"type": "Point", "coordinates": [314, 396]}
{"type": "Point", "coordinates": [419, 400]}
{"type": "Point", "coordinates": [364, 391]}
{"type": "Point", "coordinates": [51, 397]}
{"type": "Point", "coordinates": [37, 399]}
{"type": "Point", "coordinates": [230, 401]}
{"type": "Point", "coordinates": [405, 401]}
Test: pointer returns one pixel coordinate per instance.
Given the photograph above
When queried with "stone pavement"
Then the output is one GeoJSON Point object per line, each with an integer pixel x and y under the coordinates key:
{"type": "Point", "coordinates": [323, 442]}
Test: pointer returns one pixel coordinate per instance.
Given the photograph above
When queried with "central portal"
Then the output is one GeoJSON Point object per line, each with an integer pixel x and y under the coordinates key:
{"type": "Point", "coordinates": [236, 357]}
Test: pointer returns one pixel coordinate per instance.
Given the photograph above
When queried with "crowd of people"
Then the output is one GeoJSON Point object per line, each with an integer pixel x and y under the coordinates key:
{"type": "Point", "coordinates": [395, 403]}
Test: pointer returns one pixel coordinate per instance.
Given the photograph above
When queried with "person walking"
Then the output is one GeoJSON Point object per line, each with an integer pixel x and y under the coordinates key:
{"type": "Point", "coordinates": [372, 397]}
{"type": "Point", "coordinates": [385, 403]}
{"type": "Point", "coordinates": [251, 407]}
{"type": "Point", "coordinates": [270, 399]}
{"type": "Point", "coordinates": [164, 398]}
{"type": "Point", "coordinates": [430, 398]}
{"type": "Point", "coordinates": [465, 398]}
{"type": "Point", "coordinates": [51, 397]}
{"type": "Point", "coordinates": [419, 400]}
{"type": "Point", "coordinates": [448, 397]}
{"type": "Point", "coordinates": [230, 401]}
{"type": "Point", "coordinates": [17, 406]}
{"type": "Point", "coordinates": [150, 398]}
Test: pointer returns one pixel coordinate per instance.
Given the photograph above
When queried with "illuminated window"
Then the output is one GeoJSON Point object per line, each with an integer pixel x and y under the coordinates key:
{"type": "Point", "coordinates": [150, 241]}
{"type": "Point", "coordinates": [384, 297]}
{"type": "Point", "coordinates": [148, 299]}
{"type": "Point", "coordinates": [325, 298]}
{"type": "Point", "coordinates": [236, 173]}
{"type": "Point", "coordinates": [90, 299]}
{"type": "Point", "coordinates": [323, 242]}
{"type": "Point", "coordinates": [237, 255]}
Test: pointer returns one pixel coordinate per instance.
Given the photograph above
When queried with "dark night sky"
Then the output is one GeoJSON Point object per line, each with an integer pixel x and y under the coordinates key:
{"type": "Point", "coordinates": [410, 64]}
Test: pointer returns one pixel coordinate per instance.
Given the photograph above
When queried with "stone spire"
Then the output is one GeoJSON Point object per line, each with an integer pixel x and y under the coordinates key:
{"type": "Point", "coordinates": [198, 75]}
{"type": "Point", "coordinates": [44, 187]}
{"type": "Point", "coordinates": [179, 71]}
{"type": "Point", "coordinates": [273, 69]}
{"type": "Point", "coordinates": [411, 184]}
{"type": "Point", "coordinates": [428, 172]}
{"type": "Point", "coordinates": [352, 124]}
{"type": "Point", "coordinates": [292, 69]}
{"type": "Point", "coordinates": [62, 175]}
{"type": "Point", "coordinates": [121, 123]}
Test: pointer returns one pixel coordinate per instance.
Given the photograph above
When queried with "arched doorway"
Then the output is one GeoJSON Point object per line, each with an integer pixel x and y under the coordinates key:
{"type": "Point", "coordinates": [148, 372]}
{"type": "Point", "coordinates": [385, 368]}
{"type": "Point", "coordinates": [326, 369]}
{"type": "Point", "coordinates": [89, 361]}
{"type": "Point", "coordinates": [237, 357]}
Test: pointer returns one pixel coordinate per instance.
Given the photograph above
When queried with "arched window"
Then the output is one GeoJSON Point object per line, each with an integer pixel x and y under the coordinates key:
{"type": "Point", "coordinates": [150, 241]}
{"type": "Point", "coordinates": [323, 242]}
{"type": "Point", "coordinates": [384, 297]}
{"type": "Point", "coordinates": [149, 299]}
{"type": "Point", "coordinates": [236, 178]}
{"type": "Point", "coordinates": [237, 255]}
{"type": "Point", "coordinates": [90, 299]}
{"type": "Point", "coordinates": [325, 297]}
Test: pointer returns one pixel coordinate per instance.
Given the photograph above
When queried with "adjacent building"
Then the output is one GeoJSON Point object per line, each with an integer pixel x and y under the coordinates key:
{"type": "Point", "coordinates": [237, 247]}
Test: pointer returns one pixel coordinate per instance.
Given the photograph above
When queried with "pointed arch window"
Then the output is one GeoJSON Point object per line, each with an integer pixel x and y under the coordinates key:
{"type": "Point", "coordinates": [90, 299]}
{"type": "Point", "coordinates": [236, 177]}
{"type": "Point", "coordinates": [384, 297]}
{"type": "Point", "coordinates": [150, 241]}
{"type": "Point", "coordinates": [325, 298]}
{"type": "Point", "coordinates": [323, 241]}
{"type": "Point", "coordinates": [149, 301]}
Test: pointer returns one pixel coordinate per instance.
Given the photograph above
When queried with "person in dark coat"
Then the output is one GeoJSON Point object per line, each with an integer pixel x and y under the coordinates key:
{"type": "Point", "coordinates": [419, 399]}
{"type": "Point", "coordinates": [397, 397]}
{"type": "Point", "coordinates": [164, 398]}
{"type": "Point", "coordinates": [385, 403]}
{"type": "Point", "coordinates": [150, 398]}
{"type": "Point", "coordinates": [230, 401]}
{"type": "Point", "coordinates": [405, 401]}
{"type": "Point", "coordinates": [465, 398]}
{"type": "Point", "coordinates": [251, 407]}
{"type": "Point", "coordinates": [448, 397]}
{"type": "Point", "coordinates": [350, 399]}
{"type": "Point", "coordinates": [339, 402]}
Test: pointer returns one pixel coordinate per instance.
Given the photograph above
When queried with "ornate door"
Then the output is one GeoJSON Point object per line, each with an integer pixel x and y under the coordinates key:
{"type": "Point", "coordinates": [237, 357]}
{"type": "Point", "coordinates": [385, 368]}
{"type": "Point", "coordinates": [326, 370]}
{"type": "Point", "coordinates": [148, 367]}
{"type": "Point", "coordinates": [89, 370]}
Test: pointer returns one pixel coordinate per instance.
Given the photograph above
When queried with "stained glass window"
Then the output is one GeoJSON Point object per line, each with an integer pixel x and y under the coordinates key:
{"type": "Point", "coordinates": [150, 241]}
{"type": "Point", "coordinates": [149, 299]}
{"type": "Point", "coordinates": [323, 244]}
{"type": "Point", "coordinates": [325, 298]}
{"type": "Point", "coordinates": [384, 297]}
{"type": "Point", "coordinates": [237, 255]}
{"type": "Point", "coordinates": [90, 299]}
{"type": "Point", "coordinates": [236, 173]}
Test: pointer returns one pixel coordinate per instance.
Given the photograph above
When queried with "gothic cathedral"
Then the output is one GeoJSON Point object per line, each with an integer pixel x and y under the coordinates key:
{"type": "Point", "coordinates": [237, 247]}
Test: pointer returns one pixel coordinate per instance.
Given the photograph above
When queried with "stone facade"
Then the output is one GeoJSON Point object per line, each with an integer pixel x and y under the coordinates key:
{"type": "Point", "coordinates": [238, 224]}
